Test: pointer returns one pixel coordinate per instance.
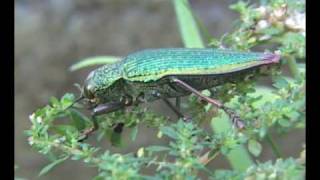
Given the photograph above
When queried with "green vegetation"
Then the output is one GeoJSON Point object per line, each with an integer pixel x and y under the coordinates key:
{"type": "Point", "coordinates": [280, 108]}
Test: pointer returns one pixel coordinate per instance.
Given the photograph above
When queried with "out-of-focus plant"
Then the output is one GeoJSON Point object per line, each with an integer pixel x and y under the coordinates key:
{"type": "Point", "coordinates": [277, 107]}
{"type": "Point", "coordinates": [281, 169]}
{"type": "Point", "coordinates": [16, 167]}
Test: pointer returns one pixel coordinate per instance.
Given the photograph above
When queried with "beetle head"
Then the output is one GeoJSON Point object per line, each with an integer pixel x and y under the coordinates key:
{"type": "Point", "coordinates": [89, 90]}
{"type": "Point", "coordinates": [87, 95]}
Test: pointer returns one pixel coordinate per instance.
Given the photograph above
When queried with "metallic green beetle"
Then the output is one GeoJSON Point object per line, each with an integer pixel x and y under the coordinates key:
{"type": "Point", "coordinates": [152, 74]}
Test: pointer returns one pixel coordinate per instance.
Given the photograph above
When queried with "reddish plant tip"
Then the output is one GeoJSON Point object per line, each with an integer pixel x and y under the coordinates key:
{"type": "Point", "coordinates": [271, 58]}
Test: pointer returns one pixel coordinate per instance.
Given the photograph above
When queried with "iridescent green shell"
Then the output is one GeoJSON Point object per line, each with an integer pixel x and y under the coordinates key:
{"type": "Point", "coordinates": [153, 64]}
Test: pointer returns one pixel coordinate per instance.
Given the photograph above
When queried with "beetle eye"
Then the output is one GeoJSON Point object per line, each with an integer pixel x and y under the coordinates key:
{"type": "Point", "coordinates": [88, 91]}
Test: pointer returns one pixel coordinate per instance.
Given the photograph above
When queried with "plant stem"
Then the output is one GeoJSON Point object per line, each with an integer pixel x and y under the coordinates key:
{"type": "Point", "coordinates": [293, 67]}
{"type": "Point", "coordinates": [274, 146]}
{"type": "Point", "coordinates": [188, 27]}
{"type": "Point", "coordinates": [67, 149]}
{"type": "Point", "coordinates": [205, 159]}
{"type": "Point", "coordinates": [93, 61]}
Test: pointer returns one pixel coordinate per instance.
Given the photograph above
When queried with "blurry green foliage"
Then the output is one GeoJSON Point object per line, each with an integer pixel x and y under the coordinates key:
{"type": "Point", "coordinates": [281, 107]}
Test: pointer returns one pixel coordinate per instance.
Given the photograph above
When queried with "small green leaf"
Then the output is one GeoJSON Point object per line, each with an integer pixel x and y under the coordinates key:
{"type": "Point", "coordinates": [116, 139]}
{"type": "Point", "coordinates": [67, 97]}
{"type": "Point", "coordinates": [54, 101]}
{"type": "Point", "coordinates": [157, 148]}
{"type": "Point", "coordinates": [272, 31]}
{"type": "Point", "coordinates": [206, 92]}
{"type": "Point", "coordinates": [101, 135]}
{"type": "Point", "coordinates": [134, 133]}
{"type": "Point", "coordinates": [207, 107]}
{"type": "Point", "coordinates": [67, 100]}
{"type": "Point", "coordinates": [293, 115]}
{"type": "Point", "coordinates": [62, 129]}
{"type": "Point", "coordinates": [281, 83]}
{"type": "Point", "coordinates": [284, 123]}
{"type": "Point", "coordinates": [240, 7]}
{"type": "Point", "coordinates": [48, 167]}
{"type": "Point", "coordinates": [215, 43]}
{"type": "Point", "coordinates": [19, 178]}
{"type": "Point", "coordinates": [225, 150]}
{"type": "Point", "coordinates": [169, 132]}
{"type": "Point", "coordinates": [254, 147]}
{"type": "Point", "coordinates": [51, 156]}
{"type": "Point", "coordinates": [92, 61]}
{"type": "Point", "coordinates": [159, 134]}
{"type": "Point", "coordinates": [79, 120]}
{"type": "Point", "coordinates": [140, 152]}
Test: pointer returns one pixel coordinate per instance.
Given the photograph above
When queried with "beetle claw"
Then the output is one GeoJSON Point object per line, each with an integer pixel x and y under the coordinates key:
{"type": "Point", "coordinates": [187, 119]}
{"type": "Point", "coordinates": [118, 128]}
{"type": "Point", "coordinates": [235, 118]}
{"type": "Point", "coordinates": [82, 138]}
{"type": "Point", "coordinates": [85, 134]}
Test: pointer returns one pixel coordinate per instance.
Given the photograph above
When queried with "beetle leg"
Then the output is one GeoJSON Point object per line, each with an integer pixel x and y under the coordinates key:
{"type": "Point", "coordinates": [233, 116]}
{"type": "Point", "coordinates": [118, 128]}
{"type": "Point", "coordinates": [100, 109]}
{"type": "Point", "coordinates": [85, 134]}
{"type": "Point", "coordinates": [140, 99]}
{"type": "Point", "coordinates": [174, 109]}
{"type": "Point", "coordinates": [196, 92]}
{"type": "Point", "coordinates": [178, 103]}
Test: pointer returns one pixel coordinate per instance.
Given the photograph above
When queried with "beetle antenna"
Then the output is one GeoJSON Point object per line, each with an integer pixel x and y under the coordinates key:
{"type": "Point", "coordinates": [75, 101]}
{"type": "Point", "coordinates": [78, 99]}
{"type": "Point", "coordinates": [78, 87]}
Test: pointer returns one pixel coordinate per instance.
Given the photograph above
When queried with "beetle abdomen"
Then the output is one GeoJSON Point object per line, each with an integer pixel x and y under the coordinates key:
{"type": "Point", "coordinates": [153, 64]}
{"type": "Point", "coordinates": [168, 89]}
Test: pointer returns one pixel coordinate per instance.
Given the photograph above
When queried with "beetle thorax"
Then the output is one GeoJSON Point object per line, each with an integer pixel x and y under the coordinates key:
{"type": "Point", "coordinates": [101, 84]}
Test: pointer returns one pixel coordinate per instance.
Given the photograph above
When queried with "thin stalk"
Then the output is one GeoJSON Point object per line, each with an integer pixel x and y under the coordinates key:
{"type": "Point", "coordinates": [189, 30]}
{"type": "Point", "coordinates": [205, 32]}
{"type": "Point", "coordinates": [274, 146]}
{"type": "Point", "coordinates": [205, 159]}
{"type": "Point", "coordinates": [178, 103]}
{"type": "Point", "coordinates": [93, 61]}
{"type": "Point", "coordinates": [293, 67]}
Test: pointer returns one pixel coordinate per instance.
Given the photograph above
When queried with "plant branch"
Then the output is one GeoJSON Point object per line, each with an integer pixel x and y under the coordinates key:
{"type": "Point", "coordinates": [293, 67]}
{"type": "Point", "coordinates": [274, 146]}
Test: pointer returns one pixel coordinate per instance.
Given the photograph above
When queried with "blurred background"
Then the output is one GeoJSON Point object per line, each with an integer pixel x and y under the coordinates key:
{"type": "Point", "coordinates": [51, 35]}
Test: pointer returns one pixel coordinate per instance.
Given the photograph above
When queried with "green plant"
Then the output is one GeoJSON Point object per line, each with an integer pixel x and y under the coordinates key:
{"type": "Point", "coordinates": [280, 107]}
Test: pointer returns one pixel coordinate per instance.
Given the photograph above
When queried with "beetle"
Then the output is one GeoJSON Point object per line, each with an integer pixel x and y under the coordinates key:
{"type": "Point", "coordinates": [153, 74]}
